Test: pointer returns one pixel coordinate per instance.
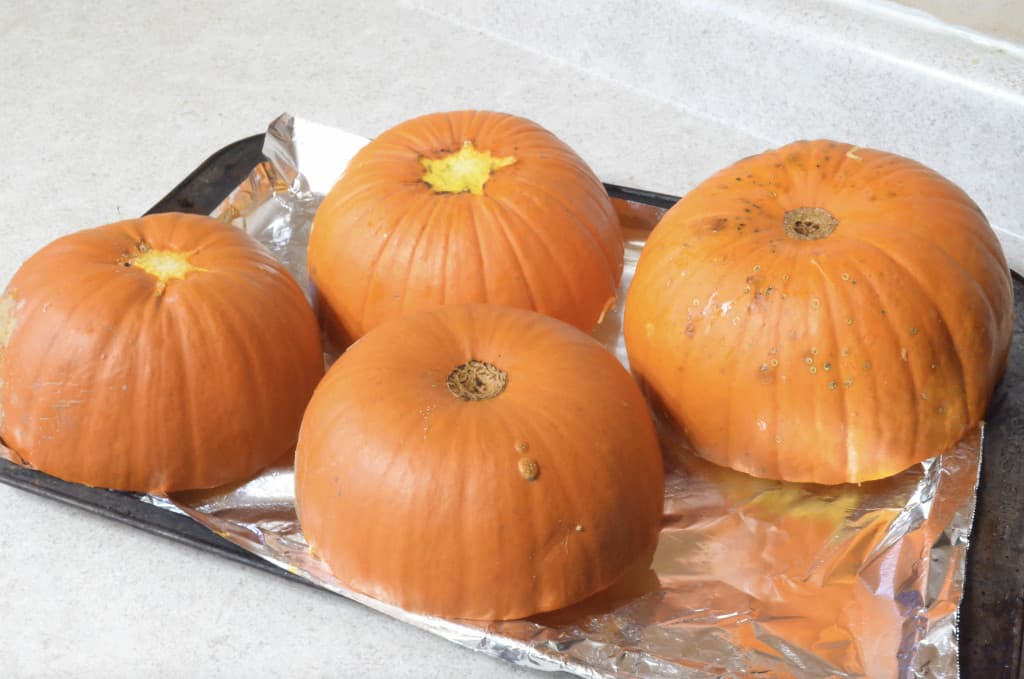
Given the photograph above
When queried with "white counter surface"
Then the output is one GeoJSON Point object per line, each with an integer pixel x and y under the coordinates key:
{"type": "Point", "coordinates": [103, 110]}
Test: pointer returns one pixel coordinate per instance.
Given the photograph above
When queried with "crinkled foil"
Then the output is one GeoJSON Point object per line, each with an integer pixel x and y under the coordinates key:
{"type": "Point", "coordinates": [750, 577]}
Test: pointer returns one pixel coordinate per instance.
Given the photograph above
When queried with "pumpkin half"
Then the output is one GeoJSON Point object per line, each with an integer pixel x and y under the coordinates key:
{"type": "Point", "coordinates": [821, 313]}
{"type": "Point", "coordinates": [463, 207]}
{"type": "Point", "coordinates": [155, 354]}
{"type": "Point", "coordinates": [478, 461]}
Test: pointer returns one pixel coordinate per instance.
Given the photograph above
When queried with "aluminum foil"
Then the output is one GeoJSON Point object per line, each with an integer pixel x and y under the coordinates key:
{"type": "Point", "coordinates": [751, 577]}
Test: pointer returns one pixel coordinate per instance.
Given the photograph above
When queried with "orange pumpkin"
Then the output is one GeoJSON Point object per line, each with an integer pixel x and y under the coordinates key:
{"type": "Point", "coordinates": [465, 207]}
{"type": "Point", "coordinates": [478, 461]}
{"type": "Point", "coordinates": [155, 354]}
{"type": "Point", "coordinates": [821, 313]}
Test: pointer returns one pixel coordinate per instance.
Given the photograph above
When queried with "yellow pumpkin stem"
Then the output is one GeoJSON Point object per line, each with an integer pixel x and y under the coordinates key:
{"type": "Point", "coordinates": [164, 265]}
{"type": "Point", "coordinates": [466, 170]}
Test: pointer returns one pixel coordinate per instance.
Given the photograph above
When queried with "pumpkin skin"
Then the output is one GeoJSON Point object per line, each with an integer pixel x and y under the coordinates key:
{"type": "Point", "coordinates": [499, 508]}
{"type": "Point", "coordinates": [541, 234]}
{"type": "Point", "coordinates": [112, 377]}
{"type": "Point", "coordinates": [792, 347]}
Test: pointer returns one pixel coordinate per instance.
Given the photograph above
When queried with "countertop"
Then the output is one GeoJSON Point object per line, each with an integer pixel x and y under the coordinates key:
{"type": "Point", "coordinates": [106, 108]}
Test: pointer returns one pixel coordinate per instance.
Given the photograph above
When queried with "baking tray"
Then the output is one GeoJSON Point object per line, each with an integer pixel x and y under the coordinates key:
{"type": "Point", "coordinates": [992, 612]}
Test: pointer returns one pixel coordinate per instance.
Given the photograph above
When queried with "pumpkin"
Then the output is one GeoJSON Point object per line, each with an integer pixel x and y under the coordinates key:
{"type": "Point", "coordinates": [155, 354]}
{"type": "Point", "coordinates": [821, 313]}
{"type": "Point", "coordinates": [463, 207]}
{"type": "Point", "coordinates": [478, 461]}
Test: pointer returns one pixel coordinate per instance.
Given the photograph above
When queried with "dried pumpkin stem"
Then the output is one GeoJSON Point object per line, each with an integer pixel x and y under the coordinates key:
{"type": "Point", "coordinates": [464, 171]}
{"type": "Point", "coordinates": [476, 381]}
{"type": "Point", "coordinates": [809, 223]}
{"type": "Point", "coordinates": [163, 265]}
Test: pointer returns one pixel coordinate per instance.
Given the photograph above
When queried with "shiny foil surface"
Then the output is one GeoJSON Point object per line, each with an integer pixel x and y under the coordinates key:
{"type": "Point", "coordinates": [750, 578]}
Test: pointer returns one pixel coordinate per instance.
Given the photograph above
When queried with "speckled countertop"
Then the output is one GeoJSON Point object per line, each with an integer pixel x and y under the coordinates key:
{"type": "Point", "coordinates": [104, 109]}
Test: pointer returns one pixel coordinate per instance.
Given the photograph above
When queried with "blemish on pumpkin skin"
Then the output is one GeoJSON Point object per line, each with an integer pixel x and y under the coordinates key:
{"type": "Point", "coordinates": [528, 468]}
{"type": "Point", "coordinates": [903, 354]}
{"type": "Point", "coordinates": [522, 447]}
{"type": "Point", "coordinates": [815, 303]}
{"type": "Point", "coordinates": [7, 308]}
{"type": "Point", "coordinates": [719, 224]}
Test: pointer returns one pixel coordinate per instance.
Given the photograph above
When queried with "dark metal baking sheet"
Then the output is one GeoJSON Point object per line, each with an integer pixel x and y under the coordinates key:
{"type": "Point", "coordinates": [992, 612]}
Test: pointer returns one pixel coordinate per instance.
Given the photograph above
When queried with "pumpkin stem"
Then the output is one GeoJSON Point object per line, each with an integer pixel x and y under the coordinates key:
{"type": "Point", "coordinates": [476, 381]}
{"type": "Point", "coordinates": [809, 223]}
{"type": "Point", "coordinates": [163, 265]}
{"type": "Point", "coordinates": [466, 170]}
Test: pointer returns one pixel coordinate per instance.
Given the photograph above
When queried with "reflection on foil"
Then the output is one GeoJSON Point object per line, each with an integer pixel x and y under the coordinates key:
{"type": "Point", "coordinates": [751, 577]}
